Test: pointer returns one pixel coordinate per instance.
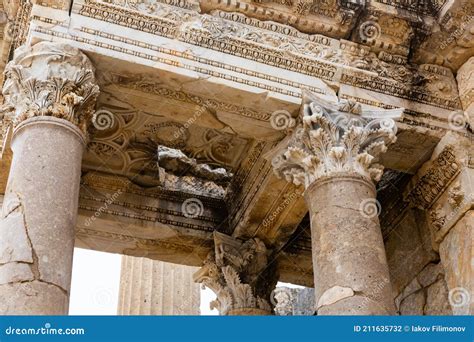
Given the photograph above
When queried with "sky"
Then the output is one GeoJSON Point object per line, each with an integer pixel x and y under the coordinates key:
{"type": "Point", "coordinates": [96, 280]}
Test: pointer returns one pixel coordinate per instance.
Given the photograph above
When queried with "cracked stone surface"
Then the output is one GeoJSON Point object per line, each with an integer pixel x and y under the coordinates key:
{"type": "Point", "coordinates": [334, 294]}
{"type": "Point", "coordinates": [32, 298]}
{"type": "Point", "coordinates": [14, 243]}
{"type": "Point", "coordinates": [40, 208]}
{"type": "Point", "coordinates": [348, 250]}
{"type": "Point", "coordinates": [14, 272]}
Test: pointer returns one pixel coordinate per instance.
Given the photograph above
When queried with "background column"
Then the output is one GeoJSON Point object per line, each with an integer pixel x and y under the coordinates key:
{"type": "Point", "coordinates": [152, 287]}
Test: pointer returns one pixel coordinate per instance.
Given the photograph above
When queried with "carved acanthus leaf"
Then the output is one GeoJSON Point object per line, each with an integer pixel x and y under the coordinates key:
{"type": "Point", "coordinates": [234, 273]}
{"type": "Point", "coordinates": [50, 79]}
{"type": "Point", "coordinates": [336, 138]}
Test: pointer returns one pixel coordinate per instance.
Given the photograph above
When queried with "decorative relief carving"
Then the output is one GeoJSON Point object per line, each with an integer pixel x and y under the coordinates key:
{"type": "Point", "coordinates": [456, 195]}
{"type": "Point", "coordinates": [206, 158]}
{"type": "Point", "coordinates": [465, 78]}
{"type": "Point", "coordinates": [278, 45]}
{"type": "Point", "coordinates": [50, 79]}
{"type": "Point", "coordinates": [329, 17]}
{"type": "Point", "coordinates": [141, 83]}
{"type": "Point", "coordinates": [239, 274]}
{"type": "Point", "coordinates": [58, 4]}
{"type": "Point", "coordinates": [336, 138]}
{"type": "Point", "coordinates": [435, 181]}
{"type": "Point", "coordinates": [452, 43]}
{"type": "Point", "coordinates": [438, 218]}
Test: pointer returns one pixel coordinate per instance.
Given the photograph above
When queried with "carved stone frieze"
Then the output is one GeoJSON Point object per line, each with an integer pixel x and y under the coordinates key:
{"type": "Point", "coordinates": [451, 41]}
{"type": "Point", "coordinates": [435, 180]}
{"type": "Point", "coordinates": [58, 4]}
{"type": "Point", "coordinates": [336, 138]}
{"type": "Point", "coordinates": [239, 273]}
{"type": "Point", "coordinates": [50, 79]}
{"type": "Point", "coordinates": [330, 17]}
{"type": "Point", "coordinates": [281, 45]}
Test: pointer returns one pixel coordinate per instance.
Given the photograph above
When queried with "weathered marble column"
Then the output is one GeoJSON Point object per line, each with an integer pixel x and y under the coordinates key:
{"type": "Point", "coordinates": [333, 155]}
{"type": "Point", "coordinates": [49, 93]}
{"type": "Point", "coordinates": [152, 287]}
{"type": "Point", "coordinates": [240, 275]}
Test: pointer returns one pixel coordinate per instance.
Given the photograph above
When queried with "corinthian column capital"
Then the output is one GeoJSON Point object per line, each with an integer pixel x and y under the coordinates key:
{"type": "Point", "coordinates": [50, 79]}
{"type": "Point", "coordinates": [336, 138]}
{"type": "Point", "coordinates": [240, 275]}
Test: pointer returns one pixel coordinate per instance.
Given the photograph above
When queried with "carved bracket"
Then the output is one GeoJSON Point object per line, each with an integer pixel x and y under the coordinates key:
{"type": "Point", "coordinates": [239, 273]}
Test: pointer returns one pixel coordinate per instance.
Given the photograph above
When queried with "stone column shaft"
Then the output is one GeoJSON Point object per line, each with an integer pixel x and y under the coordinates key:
{"type": "Point", "coordinates": [350, 266]}
{"type": "Point", "coordinates": [152, 287]}
{"type": "Point", "coordinates": [49, 95]}
{"type": "Point", "coordinates": [333, 153]}
{"type": "Point", "coordinates": [39, 215]}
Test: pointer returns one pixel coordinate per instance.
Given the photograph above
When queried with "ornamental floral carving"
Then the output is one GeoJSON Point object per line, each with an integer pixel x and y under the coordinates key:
{"type": "Point", "coordinates": [239, 274]}
{"type": "Point", "coordinates": [336, 138]}
{"type": "Point", "coordinates": [50, 79]}
{"type": "Point", "coordinates": [435, 180]}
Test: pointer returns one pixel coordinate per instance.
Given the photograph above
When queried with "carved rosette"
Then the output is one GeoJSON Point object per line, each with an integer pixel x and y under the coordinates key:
{"type": "Point", "coordinates": [50, 79]}
{"type": "Point", "coordinates": [336, 139]}
{"type": "Point", "coordinates": [239, 274]}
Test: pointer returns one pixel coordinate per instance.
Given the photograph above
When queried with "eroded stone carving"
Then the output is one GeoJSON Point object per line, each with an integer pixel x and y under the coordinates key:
{"type": "Point", "coordinates": [336, 138]}
{"type": "Point", "coordinates": [239, 274]}
{"type": "Point", "coordinates": [436, 179]}
{"type": "Point", "coordinates": [50, 79]}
